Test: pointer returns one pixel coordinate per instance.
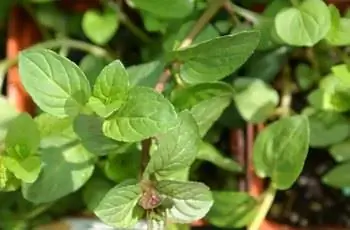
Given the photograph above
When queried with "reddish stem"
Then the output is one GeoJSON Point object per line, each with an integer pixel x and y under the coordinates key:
{"type": "Point", "coordinates": [22, 33]}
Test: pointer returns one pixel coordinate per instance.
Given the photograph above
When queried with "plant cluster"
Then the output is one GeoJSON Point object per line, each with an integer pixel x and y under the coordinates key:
{"type": "Point", "coordinates": [128, 139]}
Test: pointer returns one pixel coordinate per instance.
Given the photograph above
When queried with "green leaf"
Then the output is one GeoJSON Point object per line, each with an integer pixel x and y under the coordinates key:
{"type": "Point", "coordinates": [145, 74]}
{"type": "Point", "coordinates": [215, 59]}
{"type": "Point", "coordinates": [338, 177]}
{"type": "Point", "coordinates": [7, 114]}
{"type": "Point", "coordinates": [209, 153]}
{"type": "Point", "coordinates": [281, 149]}
{"type": "Point", "coordinates": [152, 23]}
{"type": "Point", "coordinates": [206, 102]}
{"type": "Point", "coordinates": [8, 182]}
{"type": "Point", "coordinates": [23, 132]}
{"type": "Point", "coordinates": [341, 151]}
{"type": "Point", "coordinates": [65, 170]}
{"type": "Point", "coordinates": [94, 191]}
{"type": "Point", "coordinates": [119, 207]}
{"type": "Point", "coordinates": [342, 73]}
{"type": "Point", "coordinates": [304, 25]}
{"type": "Point", "coordinates": [327, 128]}
{"type": "Point", "coordinates": [123, 166]}
{"type": "Point", "coordinates": [190, 200]}
{"type": "Point", "coordinates": [268, 34]}
{"type": "Point", "coordinates": [26, 169]}
{"type": "Point", "coordinates": [232, 209]}
{"type": "Point", "coordinates": [145, 114]}
{"type": "Point", "coordinates": [89, 130]}
{"type": "Point", "coordinates": [92, 66]}
{"type": "Point", "coordinates": [160, 8]}
{"type": "Point", "coordinates": [306, 76]}
{"type": "Point", "coordinates": [56, 84]}
{"type": "Point", "coordinates": [266, 65]}
{"type": "Point", "coordinates": [111, 88]}
{"type": "Point", "coordinates": [49, 125]}
{"type": "Point", "coordinates": [255, 100]}
{"type": "Point", "coordinates": [177, 148]}
{"type": "Point", "coordinates": [338, 34]}
{"type": "Point", "coordinates": [333, 94]}
{"type": "Point", "coordinates": [100, 27]}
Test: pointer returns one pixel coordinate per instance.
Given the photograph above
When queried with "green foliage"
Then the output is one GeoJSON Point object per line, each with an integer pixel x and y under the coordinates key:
{"type": "Point", "coordinates": [64, 89]}
{"type": "Point", "coordinates": [304, 24]}
{"type": "Point", "coordinates": [214, 59]}
{"type": "Point", "coordinates": [232, 209]}
{"type": "Point", "coordinates": [255, 100]}
{"type": "Point", "coordinates": [100, 27]}
{"type": "Point", "coordinates": [280, 150]}
{"type": "Point", "coordinates": [163, 89]}
{"type": "Point", "coordinates": [189, 200]}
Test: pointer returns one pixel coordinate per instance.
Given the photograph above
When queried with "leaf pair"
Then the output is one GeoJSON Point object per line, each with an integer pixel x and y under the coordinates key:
{"type": "Point", "coordinates": [20, 152]}
{"type": "Point", "coordinates": [61, 89]}
{"type": "Point", "coordinates": [183, 202]}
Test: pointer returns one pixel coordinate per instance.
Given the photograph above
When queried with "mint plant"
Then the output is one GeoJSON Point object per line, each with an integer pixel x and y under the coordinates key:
{"type": "Point", "coordinates": [124, 132]}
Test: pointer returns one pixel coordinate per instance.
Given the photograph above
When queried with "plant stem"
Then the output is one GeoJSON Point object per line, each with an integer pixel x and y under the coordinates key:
{"type": "Point", "coordinates": [38, 210]}
{"type": "Point", "coordinates": [213, 8]}
{"type": "Point", "coordinates": [244, 13]}
{"type": "Point", "coordinates": [130, 24]}
{"type": "Point", "coordinates": [265, 206]}
{"type": "Point", "coordinates": [62, 42]}
{"type": "Point", "coordinates": [165, 76]}
{"type": "Point", "coordinates": [286, 97]}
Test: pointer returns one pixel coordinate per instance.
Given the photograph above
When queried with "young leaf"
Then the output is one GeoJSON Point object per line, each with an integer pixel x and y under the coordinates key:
{"type": "Point", "coordinates": [49, 125]}
{"type": "Point", "coordinates": [64, 170]}
{"type": "Point", "coordinates": [92, 66]}
{"type": "Point", "coordinates": [160, 8]}
{"type": "Point", "coordinates": [56, 84]}
{"type": "Point", "coordinates": [111, 88]}
{"type": "Point", "coordinates": [338, 177]}
{"type": "Point", "coordinates": [209, 153]}
{"type": "Point", "coordinates": [232, 209]}
{"type": "Point", "coordinates": [215, 59]}
{"type": "Point", "coordinates": [190, 200]}
{"type": "Point", "coordinates": [206, 102]}
{"type": "Point", "coordinates": [281, 149]}
{"type": "Point", "coordinates": [145, 114]}
{"type": "Point", "coordinates": [342, 73]}
{"type": "Point", "coordinates": [333, 94]}
{"type": "Point", "coordinates": [27, 140]}
{"type": "Point", "coordinates": [8, 182]}
{"type": "Point", "coordinates": [304, 25]}
{"type": "Point", "coordinates": [338, 34]}
{"type": "Point", "coordinates": [341, 151]}
{"type": "Point", "coordinates": [177, 149]}
{"type": "Point", "coordinates": [89, 130]}
{"type": "Point", "coordinates": [26, 169]}
{"type": "Point", "coordinates": [119, 207]}
{"type": "Point", "coordinates": [255, 100]}
{"type": "Point", "coordinates": [100, 27]}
